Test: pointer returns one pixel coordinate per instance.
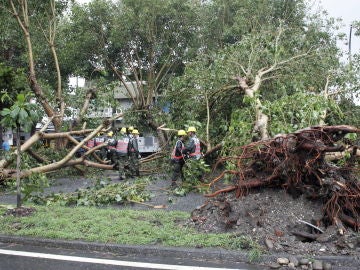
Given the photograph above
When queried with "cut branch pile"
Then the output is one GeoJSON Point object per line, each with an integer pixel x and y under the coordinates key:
{"type": "Point", "coordinates": [299, 162]}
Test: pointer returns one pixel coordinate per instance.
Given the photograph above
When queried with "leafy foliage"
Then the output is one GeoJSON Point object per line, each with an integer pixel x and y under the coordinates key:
{"type": "Point", "coordinates": [103, 193]}
{"type": "Point", "coordinates": [12, 81]}
{"type": "Point", "coordinates": [35, 183]}
{"type": "Point", "coordinates": [21, 113]}
{"type": "Point", "coordinates": [299, 78]}
{"type": "Point", "coordinates": [239, 130]}
{"type": "Point", "coordinates": [194, 173]}
{"type": "Point", "coordinates": [299, 111]}
{"type": "Point", "coordinates": [287, 114]}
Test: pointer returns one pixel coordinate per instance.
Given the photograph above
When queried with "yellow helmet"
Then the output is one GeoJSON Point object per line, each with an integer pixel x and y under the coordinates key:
{"type": "Point", "coordinates": [135, 131]}
{"type": "Point", "coordinates": [191, 129]}
{"type": "Point", "coordinates": [131, 128]}
{"type": "Point", "coordinates": [110, 133]}
{"type": "Point", "coordinates": [181, 132]}
{"type": "Point", "coordinates": [123, 130]}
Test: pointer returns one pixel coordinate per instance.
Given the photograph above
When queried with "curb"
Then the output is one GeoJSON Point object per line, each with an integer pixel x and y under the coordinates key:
{"type": "Point", "coordinates": [200, 253]}
{"type": "Point", "coordinates": [338, 262]}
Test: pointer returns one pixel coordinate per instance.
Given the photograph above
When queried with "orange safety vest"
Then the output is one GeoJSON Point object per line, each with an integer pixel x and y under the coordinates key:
{"type": "Point", "coordinates": [197, 152]}
{"type": "Point", "coordinates": [90, 143]}
{"type": "Point", "coordinates": [173, 156]}
{"type": "Point", "coordinates": [122, 145]}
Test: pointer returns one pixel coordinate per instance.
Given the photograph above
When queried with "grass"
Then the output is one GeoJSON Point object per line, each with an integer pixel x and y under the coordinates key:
{"type": "Point", "coordinates": [118, 226]}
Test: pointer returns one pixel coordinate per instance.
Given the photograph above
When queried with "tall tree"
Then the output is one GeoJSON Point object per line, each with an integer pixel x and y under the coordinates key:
{"type": "Point", "coordinates": [25, 12]}
{"type": "Point", "coordinates": [284, 55]}
{"type": "Point", "coordinates": [143, 42]}
{"type": "Point", "coordinates": [38, 23]}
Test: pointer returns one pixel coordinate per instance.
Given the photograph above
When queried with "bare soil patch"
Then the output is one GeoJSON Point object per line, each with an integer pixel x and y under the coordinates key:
{"type": "Point", "coordinates": [276, 220]}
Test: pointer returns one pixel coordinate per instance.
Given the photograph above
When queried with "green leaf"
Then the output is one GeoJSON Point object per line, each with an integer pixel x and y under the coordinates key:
{"type": "Point", "coordinates": [351, 136]}
{"type": "Point", "coordinates": [23, 116]}
{"type": "Point", "coordinates": [34, 115]}
{"type": "Point", "coordinates": [20, 98]}
{"type": "Point", "coordinates": [15, 112]}
{"type": "Point", "coordinates": [5, 112]}
{"type": "Point", "coordinates": [5, 98]}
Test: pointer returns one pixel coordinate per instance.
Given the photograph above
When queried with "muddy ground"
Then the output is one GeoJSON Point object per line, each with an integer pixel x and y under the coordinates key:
{"type": "Point", "coordinates": [273, 218]}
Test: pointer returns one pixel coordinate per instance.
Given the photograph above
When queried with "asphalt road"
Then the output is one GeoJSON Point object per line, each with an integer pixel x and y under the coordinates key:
{"type": "Point", "coordinates": [28, 257]}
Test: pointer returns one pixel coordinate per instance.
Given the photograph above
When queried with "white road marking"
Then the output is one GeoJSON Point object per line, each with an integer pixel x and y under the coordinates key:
{"type": "Point", "coordinates": [106, 261]}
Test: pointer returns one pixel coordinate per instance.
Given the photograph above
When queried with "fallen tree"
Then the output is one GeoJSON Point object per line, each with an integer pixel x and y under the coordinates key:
{"type": "Point", "coordinates": [89, 158]}
{"type": "Point", "coordinates": [298, 163]}
{"type": "Point", "coordinates": [67, 160]}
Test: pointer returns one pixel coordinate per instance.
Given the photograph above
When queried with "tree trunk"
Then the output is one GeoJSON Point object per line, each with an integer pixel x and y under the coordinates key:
{"type": "Point", "coordinates": [260, 129]}
{"type": "Point", "coordinates": [18, 159]}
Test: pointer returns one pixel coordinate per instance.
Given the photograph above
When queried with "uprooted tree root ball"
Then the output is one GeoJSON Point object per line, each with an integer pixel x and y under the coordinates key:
{"type": "Point", "coordinates": [302, 164]}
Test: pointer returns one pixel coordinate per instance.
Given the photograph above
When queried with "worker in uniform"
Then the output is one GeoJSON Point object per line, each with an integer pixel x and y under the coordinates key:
{"type": "Point", "coordinates": [134, 154]}
{"type": "Point", "coordinates": [192, 147]}
{"type": "Point", "coordinates": [90, 143]}
{"type": "Point", "coordinates": [129, 131]}
{"type": "Point", "coordinates": [100, 139]}
{"type": "Point", "coordinates": [177, 158]}
{"type": "Point", "coordinates": [122, 153]}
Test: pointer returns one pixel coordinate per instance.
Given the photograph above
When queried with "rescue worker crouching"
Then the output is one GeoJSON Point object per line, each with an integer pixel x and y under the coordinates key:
{"type": "Point", "coordinates": [177, 158]}
{"type": "Point", "coordinates": [122, 153]}
{"type": "Point", "coordinates": [134, 154]}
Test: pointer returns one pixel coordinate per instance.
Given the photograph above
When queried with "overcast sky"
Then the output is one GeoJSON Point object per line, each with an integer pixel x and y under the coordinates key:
{"type": "Point", "coordinates": [348, 11]}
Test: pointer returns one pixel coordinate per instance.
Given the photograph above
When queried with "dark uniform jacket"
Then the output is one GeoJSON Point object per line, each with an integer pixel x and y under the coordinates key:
{"type": "Point", "coordinates": [133, 146]}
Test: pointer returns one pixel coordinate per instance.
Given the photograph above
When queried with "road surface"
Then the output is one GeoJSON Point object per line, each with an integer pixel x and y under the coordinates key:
{"type": "Point", "coordinates": [25, 257]}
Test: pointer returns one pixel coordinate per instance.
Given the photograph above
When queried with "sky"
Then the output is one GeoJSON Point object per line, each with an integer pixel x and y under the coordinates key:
{"type": "Point", "coordinates": [349, 11]}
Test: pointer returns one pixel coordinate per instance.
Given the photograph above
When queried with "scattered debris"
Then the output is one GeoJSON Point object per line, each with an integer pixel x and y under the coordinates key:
{"type": "Point", "coordinates": [20, 211]}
